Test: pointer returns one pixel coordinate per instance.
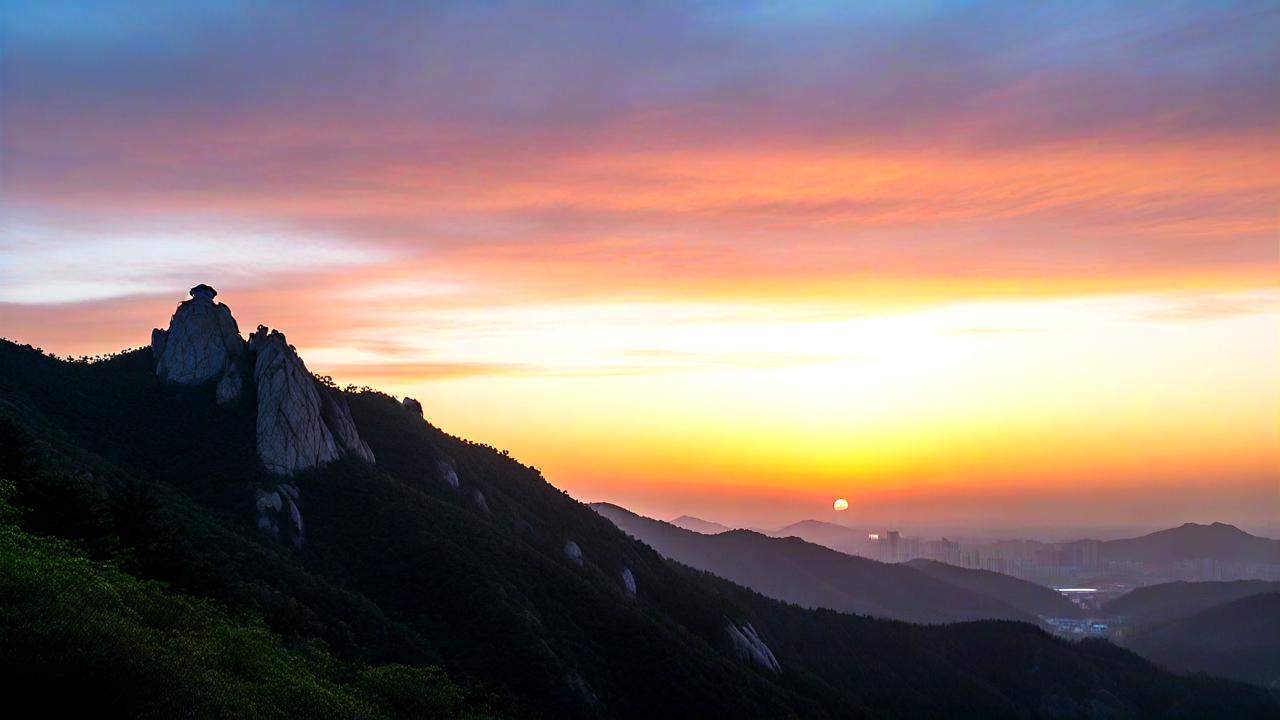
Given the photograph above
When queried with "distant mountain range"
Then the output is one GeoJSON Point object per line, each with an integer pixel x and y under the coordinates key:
{"type": "Point", "coordinates": [828, 534]}
{"type": "Point", "coordinates": [698, 525]}
{"type": "Point", "coordinates": [1219, 541]}
{"type": "Point", "coordinates": [815, 576]}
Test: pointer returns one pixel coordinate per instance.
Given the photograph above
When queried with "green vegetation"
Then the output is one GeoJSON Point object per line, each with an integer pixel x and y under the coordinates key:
{"type": "Point", "coordinates": [131, 648]}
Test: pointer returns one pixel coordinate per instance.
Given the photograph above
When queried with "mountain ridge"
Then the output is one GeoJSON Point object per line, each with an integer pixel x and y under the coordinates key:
{"type": "Point", "coordinates": [698, 525]}
{"type": "Point", "coordinates": [810, 575]}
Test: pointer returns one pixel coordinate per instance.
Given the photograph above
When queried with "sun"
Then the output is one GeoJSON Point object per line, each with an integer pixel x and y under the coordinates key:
{"type": "Point", "coordinates": [841, 504]}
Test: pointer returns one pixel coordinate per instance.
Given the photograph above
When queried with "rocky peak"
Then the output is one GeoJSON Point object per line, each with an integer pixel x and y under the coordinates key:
{"type": "Point", "coordinates": [201, 344]}
{"type": "Point", "coordinates": [300, 422]}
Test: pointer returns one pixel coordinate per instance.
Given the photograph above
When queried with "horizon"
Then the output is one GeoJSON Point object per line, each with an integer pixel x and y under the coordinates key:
{"type": "Point", "coordinates": [964, 266]}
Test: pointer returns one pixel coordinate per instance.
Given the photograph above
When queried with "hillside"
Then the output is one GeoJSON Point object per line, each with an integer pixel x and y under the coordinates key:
{"type": "Point", "coordinates": [1238, 639]}
{"type": "Point", "coordinates": [836, 537]}
{"type": "Point", "coordinates": [1166, 601]}
{"type": "Point", "coordinates": [1030, 598]}
{"type": "Point", "coordinates": [129, 648]}
{"type": "Point", "coordinates": [1219, 541]}
{"type": "Point", "coordinates": [698, 525]}
{"type": "Point", "coordinates": [450, 554]}
{"type": "Point", "coordinates": [813, 576]}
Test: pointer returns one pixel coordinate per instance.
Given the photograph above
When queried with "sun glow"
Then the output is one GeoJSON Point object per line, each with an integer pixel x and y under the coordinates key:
{"type": "Point", "coordinates": [744, 398]}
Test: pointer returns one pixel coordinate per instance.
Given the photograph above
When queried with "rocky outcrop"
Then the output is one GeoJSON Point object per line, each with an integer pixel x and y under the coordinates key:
{"type": "Point", "coordinates": [628, 581]}
{"type": "Point", "coordinates": [301, 424]}
{"type": "Point", "coordinates": [337, 417]}
{"type": "Point", "coordinates": [749, 647]}
{"type": "Point", "coordinates": [271, 507]}
{"type": "Point", "coordinates": [202, 344]}
{"type": "Point", "coordinates": [292, 434]}
{"type": "Point", "coordinates": [412, 405]}
{"type": "Point", "coordinates": [448, 474]}
{"type": "Point", "coordinates": [573, 552]}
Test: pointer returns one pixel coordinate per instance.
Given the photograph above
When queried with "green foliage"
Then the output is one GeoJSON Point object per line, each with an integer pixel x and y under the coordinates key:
{"type": "Point", "coordinates": [129, 647]}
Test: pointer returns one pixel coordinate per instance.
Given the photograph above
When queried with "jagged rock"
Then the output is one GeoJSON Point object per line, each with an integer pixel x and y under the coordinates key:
{"type": "Point", "coordinates": [337, 416]}
{"type": "Point", "coordinates": [628, 581]}
{"type": "Point", "coordinates": [268, 501]}
{"type": "Point", "coordinates": [271, 504]}
{"type": "Point", "coordinates": [448, 473]}
{"type": "Point", "coordinates": [202, 342]}
{"type": "Point", "coordinates": [301, 424]}
{"type": "Point", "coordinates": [749, 647]}
{"type": "Point", "coordinates": [412, 405]}
{"type": "Point", "coordinates": [158, 338]}
{"type": "Point", "coordinates": [573, 552]}
{"type": "Point", "coordinates": [290, 493]}
{"type": "Point", "coordinates": [292, 434]}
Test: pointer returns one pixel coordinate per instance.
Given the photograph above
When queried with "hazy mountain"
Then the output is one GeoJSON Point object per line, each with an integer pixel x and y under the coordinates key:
{"type": "Point", "coordinates": [1027, 596]}
{"type": "Point", "coordinates": [814, 576]}
{"type": "Point", "coordinates": [1238, 639]}
{"type": "Point", "coordinates": [155, 559]}
{"type": "Point", "coordinates": [1155, 603]}
{"type": "Point", "coordinates": [1218, 541]}
{"type": "Point", "coordinates": [698, 525]}
{"type": "Point", "coordinates": [827, 534]}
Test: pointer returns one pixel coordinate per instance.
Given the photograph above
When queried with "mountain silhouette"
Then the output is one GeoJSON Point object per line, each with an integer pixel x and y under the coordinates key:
{"type": "Point", "coordinates": [698, 525]}
{"type": "Point", "coordinates": [827, 534]}
{"type": "Point", "coordinates": [1219, 541]}
{"type": "Point", "coordinates": [814, 576]}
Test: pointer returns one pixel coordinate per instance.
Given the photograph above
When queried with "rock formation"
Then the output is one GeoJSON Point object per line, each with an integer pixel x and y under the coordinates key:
{"type": "Point", "coordinates": [202, 343]}
{"type": "Point", "coordinates": [628, 581]}
{"type": "Point", "coordinates": [337, 417]}
{"type": "Point", "coordinates": [573, 552]}
{"type": "Point", "coordinates": [448, 473]}
{"type": "Point", "coordinates": [301, 424]}
{"type": "Point", "coordinates": [412, 405]}
{"type": "Point", "coordinates": [748, 645]}
{"type": "Point", "coordinates": [271, 506]}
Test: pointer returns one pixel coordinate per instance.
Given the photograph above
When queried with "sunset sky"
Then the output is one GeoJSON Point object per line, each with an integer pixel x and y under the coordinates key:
{"type": "Point", "coordinates": [966, 267]}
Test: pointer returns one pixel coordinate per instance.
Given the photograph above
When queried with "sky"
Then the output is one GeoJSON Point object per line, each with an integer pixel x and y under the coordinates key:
{"type": "Point", "coordinates": [989, 266]}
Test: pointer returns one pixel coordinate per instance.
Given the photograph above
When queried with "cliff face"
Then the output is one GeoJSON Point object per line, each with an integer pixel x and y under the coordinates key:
{"type": "Point", "coordinates": [337, 417]}
{"type": "Point", "coordinates": [202, 343]}
{"type": "Point", "coordinates": [292, 434]}
{"type": "Point", "coordinates": [300, 423]}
